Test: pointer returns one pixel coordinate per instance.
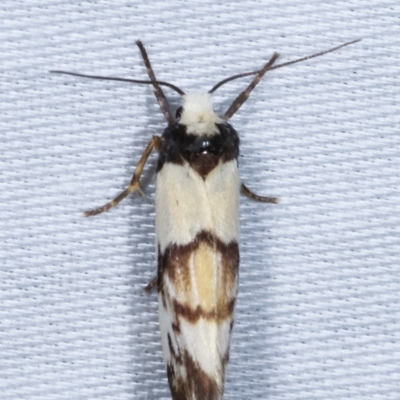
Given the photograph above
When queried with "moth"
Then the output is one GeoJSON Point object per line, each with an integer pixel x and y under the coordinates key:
{"type": "Point", "coordinates": [197, 230]}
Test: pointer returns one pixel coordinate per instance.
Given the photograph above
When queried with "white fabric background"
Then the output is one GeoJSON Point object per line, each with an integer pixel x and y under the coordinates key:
{"type": "Point", "coordinates": [318, 315]}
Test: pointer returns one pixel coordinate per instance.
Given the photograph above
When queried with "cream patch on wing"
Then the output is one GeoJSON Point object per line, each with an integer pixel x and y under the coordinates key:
{"type": "Point", "coordinates": [186, 204]}
{"type": "Point", "coordinates": [223, 192]}
{"type": "Point", "coordinates": [205, 276]}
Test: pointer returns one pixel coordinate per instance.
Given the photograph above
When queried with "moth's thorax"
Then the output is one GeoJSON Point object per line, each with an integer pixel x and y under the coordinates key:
{"type": "Point", "coordinates": [198, 115]}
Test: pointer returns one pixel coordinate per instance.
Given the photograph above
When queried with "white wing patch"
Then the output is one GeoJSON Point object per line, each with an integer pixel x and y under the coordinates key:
{"type": "Point", "coordinates": [186, 204]}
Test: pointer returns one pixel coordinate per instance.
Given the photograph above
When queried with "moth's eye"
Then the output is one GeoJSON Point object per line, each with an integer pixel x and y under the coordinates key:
{"type": "Point", "coordinates": [179, 112]}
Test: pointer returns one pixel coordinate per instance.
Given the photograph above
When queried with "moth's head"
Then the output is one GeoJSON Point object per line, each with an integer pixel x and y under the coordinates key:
{"type": "Point", "coordinates": [197, 114]}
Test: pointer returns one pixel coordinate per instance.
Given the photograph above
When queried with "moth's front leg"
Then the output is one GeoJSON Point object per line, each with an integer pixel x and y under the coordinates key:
{"type": "Point", "coordinates": [155, 143]}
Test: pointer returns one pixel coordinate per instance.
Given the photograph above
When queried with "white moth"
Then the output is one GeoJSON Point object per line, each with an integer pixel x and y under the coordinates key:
{"type": "Point", "coordinates": [197, 230]}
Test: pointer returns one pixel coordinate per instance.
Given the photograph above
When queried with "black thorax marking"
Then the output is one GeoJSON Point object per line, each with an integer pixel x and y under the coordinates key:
{"type": "Point", "coordinates": [203, 153]}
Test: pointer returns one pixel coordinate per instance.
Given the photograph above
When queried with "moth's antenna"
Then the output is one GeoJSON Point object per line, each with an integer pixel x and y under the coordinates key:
{"type": "Point", "coordinates": [219, 84]}
{"type": "Point", "coordinates": [109, 78]}
{"type": "Point", "coordinates": [315, 55]}
{"type": "Point", "coordinates": [237, 103]}
{"type": "Point", "coordinates": [160, 96]}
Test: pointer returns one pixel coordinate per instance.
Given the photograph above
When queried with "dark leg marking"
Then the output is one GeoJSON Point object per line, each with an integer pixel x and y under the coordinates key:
{"type": "Point", "coordinates": [246, 93]}
{"type": "Point", "coordinates": [155, 143]}
{"type": "Point", "coordinates": [256, 197]}
{"type": "Point", "coordinates": [160, 96]}
{"type": "Point", "coordinates": [151, 285]}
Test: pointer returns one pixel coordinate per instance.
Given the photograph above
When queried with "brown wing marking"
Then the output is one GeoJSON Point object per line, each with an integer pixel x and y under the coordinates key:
{"type": "Point", "coordinates": [210, 297]}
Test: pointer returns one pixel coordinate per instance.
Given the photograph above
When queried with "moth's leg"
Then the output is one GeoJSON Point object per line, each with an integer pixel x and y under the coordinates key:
{"type": "Point", "coordinates": [160, 96]}
{"type": "Point", "coordinates": [256, 197]}
{"type": "Point", "coordinates": [154, 143]}
{"type": "Point", "coordinates": [151, 285]}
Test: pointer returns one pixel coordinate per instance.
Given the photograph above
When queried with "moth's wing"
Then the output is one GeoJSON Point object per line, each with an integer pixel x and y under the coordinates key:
{"type": "Point", "coordinates": [197, 227]}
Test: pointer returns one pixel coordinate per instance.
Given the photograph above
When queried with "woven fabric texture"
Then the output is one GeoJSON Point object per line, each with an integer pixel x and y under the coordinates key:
{"type": "Point", "coordinates": [318, 314]}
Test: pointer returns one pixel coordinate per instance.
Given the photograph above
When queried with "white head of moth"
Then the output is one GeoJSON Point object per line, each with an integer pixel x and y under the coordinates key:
{"type": "Point", "coordinates": [198, 114]}
{"type": "Point", "coordinates": [197, 230]}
